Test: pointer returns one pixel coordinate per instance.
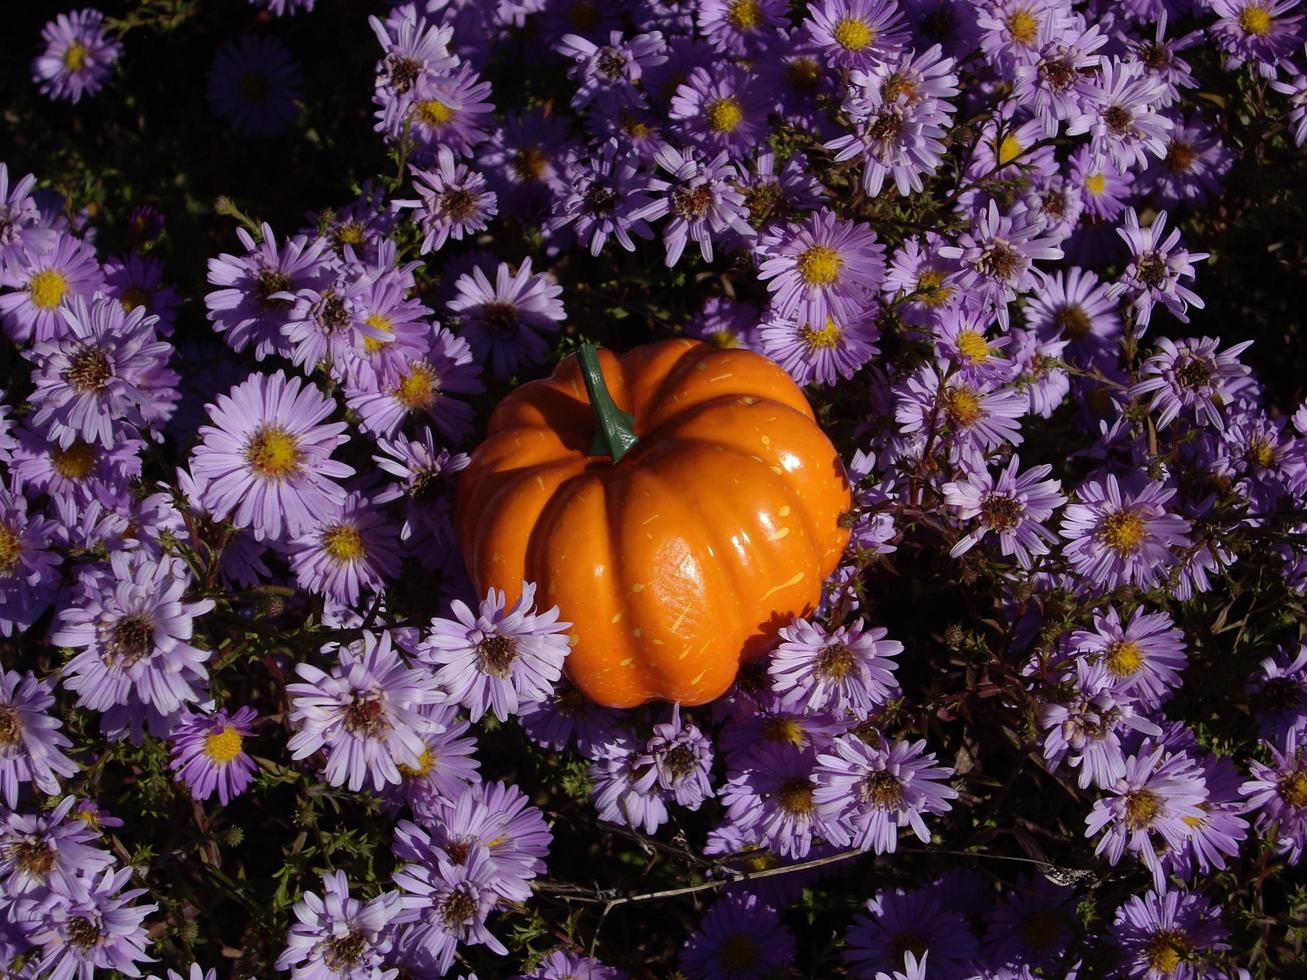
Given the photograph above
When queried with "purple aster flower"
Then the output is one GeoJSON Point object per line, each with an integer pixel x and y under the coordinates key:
{"type": "Point", "coordinates": [563, 963]}
{"type": "Point", "coordinates": [420, 388]}
{"type": "Point", "coordinates": [79, 55]}
{"type": "Point", "coordinates": [678, 756]}
{"type": "Point", "coordinates": [857, 33]}
{"type": "Point", "coordinates": [526, 159]}
{"type": "Point", "coordinates": [1256, 31]}
{"type": "Point", "coordinates": [1104, 188]}
{"type": "Point", "coordinates": [847, 671]}
{"type": "Point", "coordinates": [502, 322]}
{"type": "Point", "coordinates": [265, 461]}
{"type": "Point", "coordinates": [621, 789]}
{"type": "Point", "coordinates": [448, 901]}
{"type": "Point", "coordinates": [866, 793]}
{"type": "Point", "coordinates": [350, 550]}
{"type": "Point", "coordinates": [959, 335]}
{"type": "Point", "coordinates": [1144, 656]}
{"type": "Point", "coordinates": [415, 48]}
{"type": "Point", "coordinates": [822, 267]}
{"type": "Point", "coordinates": [820, 355]}
{"type": "Point", "coordinates": [769, 795]}
{"type": "Point", "coordinates": [916, 923]}
{"type": "Point", "coordinates": [722, 108]}
{"type": "Point", "coordinates": [453, 201]}
{"type": "Point", "coordinates": [772, 196]}
{"type": "Point", "coordinates": [1295, 89]}
{"type": "Point", "coordinates": [19, 214]}
{"type": "Point", "coordinates": [1085, 728]}
{"type": "Point", "coordinates": [373, 327]}
{"type": "Point", "coordinates": [996, 258]}
{"type": "Point", "coordinates": [446, 112]}
{"type": "Point", "coordinates": [45, 275]}
{"type": "Point", "coordinates": [1031, 924]}
{"type": "Point", "coordinates": [90, 928]}
{"type": "Point", "coordinates": [1056, 203]}
{"type": "Point", "coordinates": [1217, 835]}
{"type": "Point", "coordinates": [1156, 270]}
{"type": "Point", "coordinates": [208, 753]}
{"type": "Point", "coordinates": [80, 473]}
{"type": "Point", "coordinates": [39, 852]}
{"type": "Point", "coordinates": [1073, 305]}
{"type": "Point", "coordinates": [1151, 805]}
{"type": "Point", "coordinates": [1039, 372]}
{"type": "Point", "coordinates": [1013, 506]}
{"type": "Point", "coordinates": [740, 27]}
{"type": "Point", "coordinates": [565, 718]}
{"type": "Point", "coordinates": [920, 280]}
{"type": "Point", "coordinates": [1194, 166]}
{"type": "Point", "coordinates": [1191, 373]}
{"type": "Point", "coordinates": [498, 657]}
{"type": "Point", "coordinates": [1122, 534]}
{"type": "Point", "coordinates": [949, 23]}
{"type": "Point", "coordinates": [1277, 793]}
{"type": "Point", "coordinates": [701, 198]}
{"type": "Point", "coordinates": [446, 765]}
{"type": "Point", "coordinates": [425, 477]}
{"type": "Point", "coordinates": [1280, 688]}
{"type": "Point", "coordinates": [1168, 936]}
{"type": "Point", "coordinates": [31, 745]}
{"type": "Point", "coordinates": [1121, 113]}
{"type": "Point", "coordinates": [1160, 56]}
{"type": "Point", "coordinates": [134, 632]}
{"type": "Point", "coordinates": [725, 323]}
{"type": "Point", "coordinates": [365, 713]}
{"type": "Point", "coordinates": [146, 223]}
{"type": "Point", "coordinates": [1011, 30]}
{"type": "Point", "coordinates": [338, 936]}
{"type": "Point", "coordinates": [611, 73]}
{"type": "Point", "coordinates": [91, 377]}
{"type": "Point", "coordinates": [29, 572]}
{"type": "Point", "coordinates": [602, 196]}
{"type": "Point", "coordinates": [254, 85]}
{"type": "Point", "coordinates": [739, 938]}
{"type": "Point", "coordinates": [137, 282]}
{"type": "Point", "coordinates": [1049, 84]}
{"type": "Point", "coordinates": [975, 415]}
{"type": "Point", "coordinates": [257, 291]}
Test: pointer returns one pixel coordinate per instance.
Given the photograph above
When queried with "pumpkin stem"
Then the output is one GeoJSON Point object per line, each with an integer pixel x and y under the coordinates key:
{"type": "Point", "coordinates": [614, 429]}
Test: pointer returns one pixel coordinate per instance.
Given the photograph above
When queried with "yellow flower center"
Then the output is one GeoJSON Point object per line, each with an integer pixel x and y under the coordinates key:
{"type": "Point", "coordinates": [1009, 149]}
{"type": "Point", "coordinates": [133, 297]}
{"type": "Point", "coordinates": [931, 289]}
{"type": "Point", "coordinates": [273, 453]}
{"type": "Point", "coordinates": [76, 462]}
{"type": "Point", "coordinates": [820, 265]}
{"type": "Point", "coordinates": [221, 747]}
{"type": "Point", "coordinates": [1096, 184]}
{"type": "Point", "coordinates": [1142, 807]}
{"type": "Point", "coordinates": [853, 33]}
{"type": "Point", "coordinates": [1166, 949]}
{"type": "Point", "coordinates": [724, 115]}
{"type": "Point", "coordinates": [426, 761]}
{"type": "Point", "coordinates": [784, 730]}
{"type": "Point", "coordinates": [1123, 531]}
{"type": "Point", "coordinates": [723, 340]}
{"type": "Point", "coordinates": [973, 346]}
{"type": "Point", "coordinates": [1293, 788]}
{"type": "Point", "coordinates": [803, 74]}
{"type": "Point", "coordinates": [379, 322]}
{"type": "Point", "coordinates": [1261, 452]}
{"type": "Point", "coordinates": [434, 113]}
{"type": "Point", "coordinates": [75, 56]}
{"type": "Point", "coordinates": [343, 543]}
{"type": "Point", "coordinates": [794, 796]}
{"type": "Point", "coordinates": [743, 14]}
{"type": "Point", "coordinates": [47, 288]}
{"type": "Point", "coordinates": [962, 405]}
{"type": "Point", "coordinates": [827, 338]}
{"type": "Point", "coordinates": [740, 952]}
{"type": "Point", "coordinates": [1123, 658]}
{"type": "Point", "coordinates": [418, 388]}
{"type": "Point", "coordinates": [1023, 26]}
{"type": "Point", "coordinates": [1074, 321]}
{"type": "Point", "coordinates": [11, 549]}
{"type": "Point", "coordinates": [1255, 19]}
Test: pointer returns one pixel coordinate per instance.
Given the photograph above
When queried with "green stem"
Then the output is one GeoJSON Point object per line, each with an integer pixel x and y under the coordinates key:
{"type": "Point", "coordinates": [614, 429]}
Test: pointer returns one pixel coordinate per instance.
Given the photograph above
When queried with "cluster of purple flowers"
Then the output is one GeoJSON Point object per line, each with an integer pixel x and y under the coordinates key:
{"type": "Point", "coordinates": [320, 472]}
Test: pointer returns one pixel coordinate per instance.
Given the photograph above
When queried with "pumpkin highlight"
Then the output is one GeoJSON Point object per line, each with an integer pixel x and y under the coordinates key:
{"type": "Point", "coordinates": [715, 527]}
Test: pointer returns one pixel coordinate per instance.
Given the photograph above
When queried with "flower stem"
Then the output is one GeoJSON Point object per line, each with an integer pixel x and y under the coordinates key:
{"type": "Point", "coordinates": [614, 429]}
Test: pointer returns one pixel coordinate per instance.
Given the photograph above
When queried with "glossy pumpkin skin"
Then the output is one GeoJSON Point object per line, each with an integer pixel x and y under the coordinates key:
{"type": "Point", "coordinates": [680, 561]}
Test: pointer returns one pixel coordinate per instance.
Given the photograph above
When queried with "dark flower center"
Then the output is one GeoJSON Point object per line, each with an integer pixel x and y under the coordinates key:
{"type": "Point", "coordinates": [1278, 694]}
{"type": "Point", "coordinates": [253, 85]}
{"type": "Point", "coordinates": [332, 313]}
{"type": "Point", "coordinates": [882, 789]}
{"type": "Point", "coordinates": [365, 716]}
{"type": "Point", "coordinates": [1293, 788]}
{"type": "Point", "coordinates": [1054, 204]}
{"type": "Point", "coordinates": [1195, 373]}
{"type": "Point", "coordinates": [692, 202]}
{"type": "Point", "coordinates": [11, 729]}
{"type": "Point", "coordinates": [795, 796]}
{"type": "Point", "coordinates": [803, 74]}
{"type": "Point", "coordinates": [739, 952]}
{"type": "Point", "coordinates": [907, 942]}
{"type": "Point", "coordinates": [1180, 156]}
{"type": "Point", "coordinates": [1118, 119]}
{"type": "Point", "coordinates": [83, 933]}
{"type": "Point", "coordinates": [343, 952]}
{"type": "Point", "coordinates": [459, 848]}
{"type": "Point", "coordinates": [11, 549]}
{"type": "Point", "coordinates": [611, 64]}
{"type": "Point", "coordinates": [766, 202]}
{"type": "Point", "coordinates": [501, 318]}
{"type": "Point", "coordinates": [1040, 930]}
{"type": "Point", "coordinates": [599, 199]}
{"type": "Point", "coordinates": [403, 72]}
{"type": "Point", "coordinates": [836, 661]}
{"type": "Point", "coordinates": [1151, 269]}
{"type": "Point", "coordinates": [496, 654]}
{"type": "Point", "coordinates": [427, 486]}
{"type": "Point", "coordinates": [132, 640]}
{"type": "Point", "coordinates": [1074, 321]}
{"type": "Point", "coordinates": [458, 204]}
{"type": "Point", "coordinates": [1001, 260]}
{"type": "Point", "coordinates": [885, 127]}
{"type": "Point", "coordinates": [270, 281]}
{"type": "Point", "coordinates": [1001, 512]}
{"type": "Point", "coordinates": [88, 369]}
{"type": "Point", "coordinates": [1059, 73]}
{"type": "Point", "coordinates": [530, 163]}
{"type": "Point", "coordinates": [458, 907]}
{"type": "Point", "coordinates": [571, 703]}
{"type": "Point", "coordinates": [1156, 57]}
{"type": "Point", "coordinates": [940, 23]}
{"type": "Point", "coordinates": [680, 761]}
{"type": "Point", "coordinates": [36, 857]}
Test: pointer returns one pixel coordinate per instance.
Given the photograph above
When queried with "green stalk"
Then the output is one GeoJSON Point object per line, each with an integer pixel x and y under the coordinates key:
{"type": "Point", "coordinates": [614, 429]}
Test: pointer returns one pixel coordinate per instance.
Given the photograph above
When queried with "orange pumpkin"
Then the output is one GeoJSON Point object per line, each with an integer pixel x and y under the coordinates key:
{"type": "Point", "coordinates": [679, 504]}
